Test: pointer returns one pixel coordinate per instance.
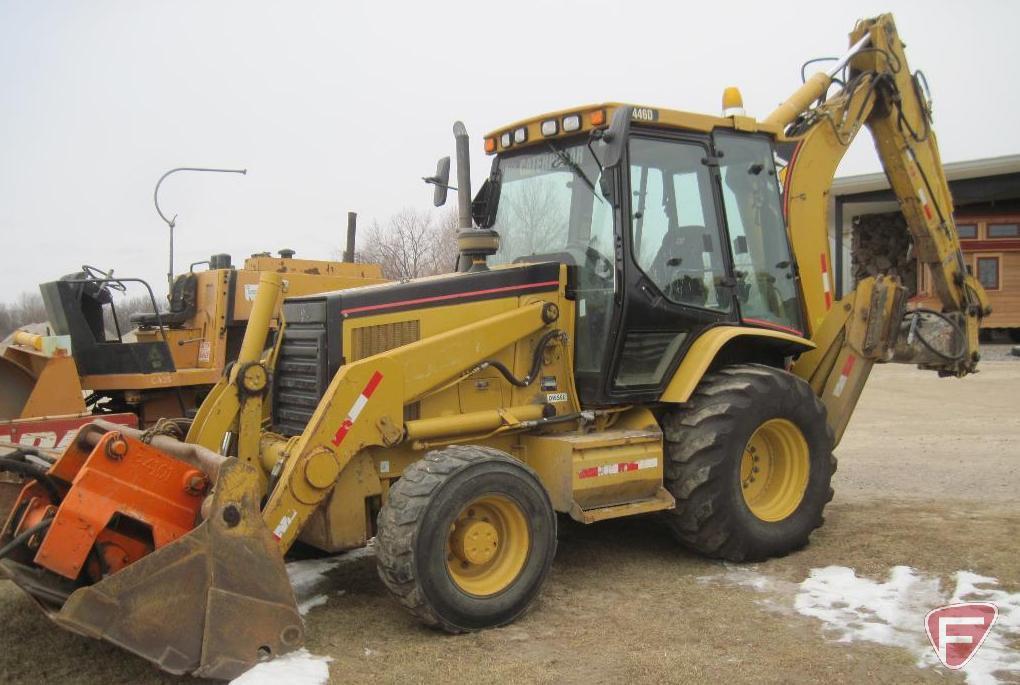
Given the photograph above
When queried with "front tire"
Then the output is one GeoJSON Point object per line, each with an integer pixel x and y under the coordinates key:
{"type": "Point", "coordinates": [466, 538]}
{"type": "Point", "coordinates": [750, 462]}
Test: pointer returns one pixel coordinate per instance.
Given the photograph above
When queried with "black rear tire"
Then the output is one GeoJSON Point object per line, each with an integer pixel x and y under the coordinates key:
{"type": "Point", "coordinates": [705, 444]}
{"type": "Point", "coordinates": [413, 542]}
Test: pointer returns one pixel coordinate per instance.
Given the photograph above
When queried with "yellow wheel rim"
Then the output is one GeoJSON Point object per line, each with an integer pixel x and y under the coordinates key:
{"type": "Point", "coordinates": [487, 546]}
{"type": "Point", "coordinates": [774, 470]}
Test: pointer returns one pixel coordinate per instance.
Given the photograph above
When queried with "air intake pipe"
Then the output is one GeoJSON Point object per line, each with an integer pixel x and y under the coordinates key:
{"type": "Point", "coordinates": [475, 244]}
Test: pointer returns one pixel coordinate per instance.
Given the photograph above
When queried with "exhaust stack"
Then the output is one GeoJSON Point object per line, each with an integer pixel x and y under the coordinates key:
{"type": "Point", "coordinates": [352, 229]}
{"type": "Point", "coordinates": [474, 244]}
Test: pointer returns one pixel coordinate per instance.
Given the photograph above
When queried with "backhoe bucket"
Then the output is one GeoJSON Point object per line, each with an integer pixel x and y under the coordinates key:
{"type": "Point", "coordinates": [211, 604]}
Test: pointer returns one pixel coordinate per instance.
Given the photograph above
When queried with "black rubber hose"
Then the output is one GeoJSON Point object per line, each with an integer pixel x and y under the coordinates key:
{"type": "Point", "coordinates": [536, 362]}
{"type": "Point", "coordinates": [23, 468]}
{"type": "Point", "coordinates": [961, 336]}
{"type": "Point", "coordinates": [19, 539]}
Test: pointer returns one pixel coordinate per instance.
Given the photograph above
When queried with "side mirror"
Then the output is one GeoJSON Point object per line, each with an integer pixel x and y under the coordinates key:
{"type": "Point", "coordinates": [486, 202]}
{"type": "Point", "coordinates": [616, 137]}
{"type": "Point", "coordinates": [441, 181]}
{"type": "Point", "coordinates": [615, 140]}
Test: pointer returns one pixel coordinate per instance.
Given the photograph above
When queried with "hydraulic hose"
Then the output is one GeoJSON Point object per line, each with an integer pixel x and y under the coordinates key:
{"type": "Point", "coordinates": [536, 361]}
{"type": "Point", "coordinates": [915, 331]}
{"type": "Point", "coordinates": [13, 464]}
{"type": "Point", "coordinates": [17, 540]}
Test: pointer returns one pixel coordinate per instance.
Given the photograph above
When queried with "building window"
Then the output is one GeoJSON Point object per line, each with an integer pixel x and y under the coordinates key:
{"type": "Point", "coordinates": [967, 231]}
{"type": "Point", "coordinates": [1004, 230]}
{"type": "Point", "coordinates": [988, 272]}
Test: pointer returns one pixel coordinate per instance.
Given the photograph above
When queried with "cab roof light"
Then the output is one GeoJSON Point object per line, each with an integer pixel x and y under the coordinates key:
{"type": "Point", "coordinates": [572, 122]}
{"type": "Point", "coordinates": [732, 102]}
{"type": "Point", "coordinates": [598, 117]}
{"type": "Point", "coordinates": [506, 140]}
{"type": "Point", "coordinates": [490, 145]}
{"type": "Point", "coordinates": [550, 127]}
{"type": "Point", "coordinates": [520, 135]}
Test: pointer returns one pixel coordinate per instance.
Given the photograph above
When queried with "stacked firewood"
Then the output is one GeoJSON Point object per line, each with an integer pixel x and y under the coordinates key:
{"type": "Point", "coordinates": [881, 245]}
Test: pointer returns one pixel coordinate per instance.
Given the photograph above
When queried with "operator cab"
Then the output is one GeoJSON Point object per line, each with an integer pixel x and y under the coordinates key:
{"type": "Point", "coordinates": [684, 233]}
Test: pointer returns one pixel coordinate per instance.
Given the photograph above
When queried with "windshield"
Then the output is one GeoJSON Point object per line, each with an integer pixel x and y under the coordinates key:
{"type": "Point", "coordinates": [550, 209]}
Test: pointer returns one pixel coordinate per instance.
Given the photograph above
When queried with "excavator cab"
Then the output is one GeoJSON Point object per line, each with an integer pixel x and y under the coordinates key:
{"type": "Point", "coordinates": [686, 233]}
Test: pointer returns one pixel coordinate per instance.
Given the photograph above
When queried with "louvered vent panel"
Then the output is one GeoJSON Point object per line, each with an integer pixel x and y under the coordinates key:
{"type": "Point", "coordinates": [370, 340]}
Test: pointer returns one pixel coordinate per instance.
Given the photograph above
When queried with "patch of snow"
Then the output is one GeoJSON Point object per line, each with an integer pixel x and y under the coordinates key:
{"type": "Point", "coordinates": [892, 613]}
{"type": "Point", "coordinates": [744, 576]}
{"type": "Point", "coordinates": [296, 668]}
{"type": "Point", "coordinates": [308, 577]}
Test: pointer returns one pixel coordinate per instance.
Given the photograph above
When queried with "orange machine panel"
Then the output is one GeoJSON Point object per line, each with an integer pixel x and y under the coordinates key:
{"type": "Point", "coordinates": [122, 477]}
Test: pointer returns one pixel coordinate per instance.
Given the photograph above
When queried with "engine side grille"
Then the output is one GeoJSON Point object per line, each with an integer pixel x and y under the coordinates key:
{"type": "Point", "coordinates": [301, 376]}
{"type": "Point", "coordinates": [369, 340]}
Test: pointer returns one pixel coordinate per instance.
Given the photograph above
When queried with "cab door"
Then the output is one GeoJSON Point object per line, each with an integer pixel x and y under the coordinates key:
{"type": "Point", "coordinates": [677, 278]}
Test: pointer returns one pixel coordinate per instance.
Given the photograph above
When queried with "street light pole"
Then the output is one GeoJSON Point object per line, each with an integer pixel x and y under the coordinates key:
{"type": "Point", "coordinates": [173, 222]}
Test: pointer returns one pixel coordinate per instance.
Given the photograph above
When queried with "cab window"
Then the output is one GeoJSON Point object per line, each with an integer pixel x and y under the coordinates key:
{"type": "Point", "coordinates": [674, 228]}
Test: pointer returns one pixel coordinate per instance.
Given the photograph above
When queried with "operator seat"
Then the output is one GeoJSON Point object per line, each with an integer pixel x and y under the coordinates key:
{"type": "Point", "coordinates": [183, 302]}
{"type": "Point", "coordinates": [678, 257]}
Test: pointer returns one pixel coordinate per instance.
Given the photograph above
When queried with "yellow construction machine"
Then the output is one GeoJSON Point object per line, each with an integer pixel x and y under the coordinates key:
{"type": "Point", "coordinates": [644, 321]}
{"type": "Point", "coordinates": [162, 368]}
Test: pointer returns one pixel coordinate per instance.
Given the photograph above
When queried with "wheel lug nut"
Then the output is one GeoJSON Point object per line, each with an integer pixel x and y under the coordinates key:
{"type": "Point", "coordinates": [754, 469]}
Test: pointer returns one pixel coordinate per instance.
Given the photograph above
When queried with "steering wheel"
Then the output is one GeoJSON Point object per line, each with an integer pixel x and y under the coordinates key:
{"type": "Point", "coordinates": [94, 274]}
{"type": "Point", "coordinates": [598, 264]}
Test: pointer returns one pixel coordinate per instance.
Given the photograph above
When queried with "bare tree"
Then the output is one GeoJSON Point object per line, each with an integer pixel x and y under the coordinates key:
{"type": "Point", "coordinates": [412, 243]}
{"type": "Point", "coordinates": [30, 308]}
{"type": "Point", "coordinates": [6, 320]}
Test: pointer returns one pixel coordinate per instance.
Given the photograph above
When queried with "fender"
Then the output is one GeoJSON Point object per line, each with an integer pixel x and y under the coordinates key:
{"type": "Point", "coordinates": [706, 348]}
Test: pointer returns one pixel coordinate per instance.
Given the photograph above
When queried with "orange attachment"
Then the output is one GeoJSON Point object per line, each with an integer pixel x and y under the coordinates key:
{"type": "Point", "coordinates": [126, 499]}
{"type": "Point", "coordinates": [598, 117]}
{"type": "Point", "coordinates": [490, 145]}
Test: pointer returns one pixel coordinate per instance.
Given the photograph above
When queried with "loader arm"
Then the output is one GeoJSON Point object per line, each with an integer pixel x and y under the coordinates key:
{"type": "Point", "coordinates": [871, 323]}
{"type": "Point", "coordinates": [363, 407]}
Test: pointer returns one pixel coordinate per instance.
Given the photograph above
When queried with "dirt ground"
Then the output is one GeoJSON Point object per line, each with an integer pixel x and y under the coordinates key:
{"type": "Point", "coordinates": [927, 478]}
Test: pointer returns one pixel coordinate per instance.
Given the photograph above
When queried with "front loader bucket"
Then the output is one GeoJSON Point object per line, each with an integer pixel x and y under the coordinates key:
{"type": "Point", "coordinates": [210, 604]}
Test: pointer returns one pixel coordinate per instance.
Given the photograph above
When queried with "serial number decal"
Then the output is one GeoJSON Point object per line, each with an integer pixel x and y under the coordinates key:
{"type": "Point", "coordinates": [556, 397]}
{"type": "Point", "coordinates": [644, 114]}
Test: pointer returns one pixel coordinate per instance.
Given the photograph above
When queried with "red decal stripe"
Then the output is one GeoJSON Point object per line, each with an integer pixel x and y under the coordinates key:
{"type": "Point", "coordinates": [439, 298]}
{"type": "Point", "coordinates": [848, 365]}
{"type": "Point", "coordinates": [373, 383]}
{"type": "Point", "coordinates": [826, 291]}
{"type": "Point", "coordinates": [341, 432]}
{"type": "Point", "coordinates": [927, 212]}
{"type": "Point", "coordinates": [589, 472]}
{"type": "Point", "coordinates": [769, 324]}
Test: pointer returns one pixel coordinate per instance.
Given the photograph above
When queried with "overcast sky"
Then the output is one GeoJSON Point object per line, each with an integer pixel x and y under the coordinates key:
{"type": "Point", "coordinates": [338, 106]}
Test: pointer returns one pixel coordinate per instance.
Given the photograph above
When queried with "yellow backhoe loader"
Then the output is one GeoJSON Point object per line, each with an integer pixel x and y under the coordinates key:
{"type": "Point", "coordinates": [643, 322]}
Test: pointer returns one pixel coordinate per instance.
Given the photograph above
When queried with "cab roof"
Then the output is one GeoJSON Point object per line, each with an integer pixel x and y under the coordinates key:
{"type": "Point", "coordinates": [574, 120]}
